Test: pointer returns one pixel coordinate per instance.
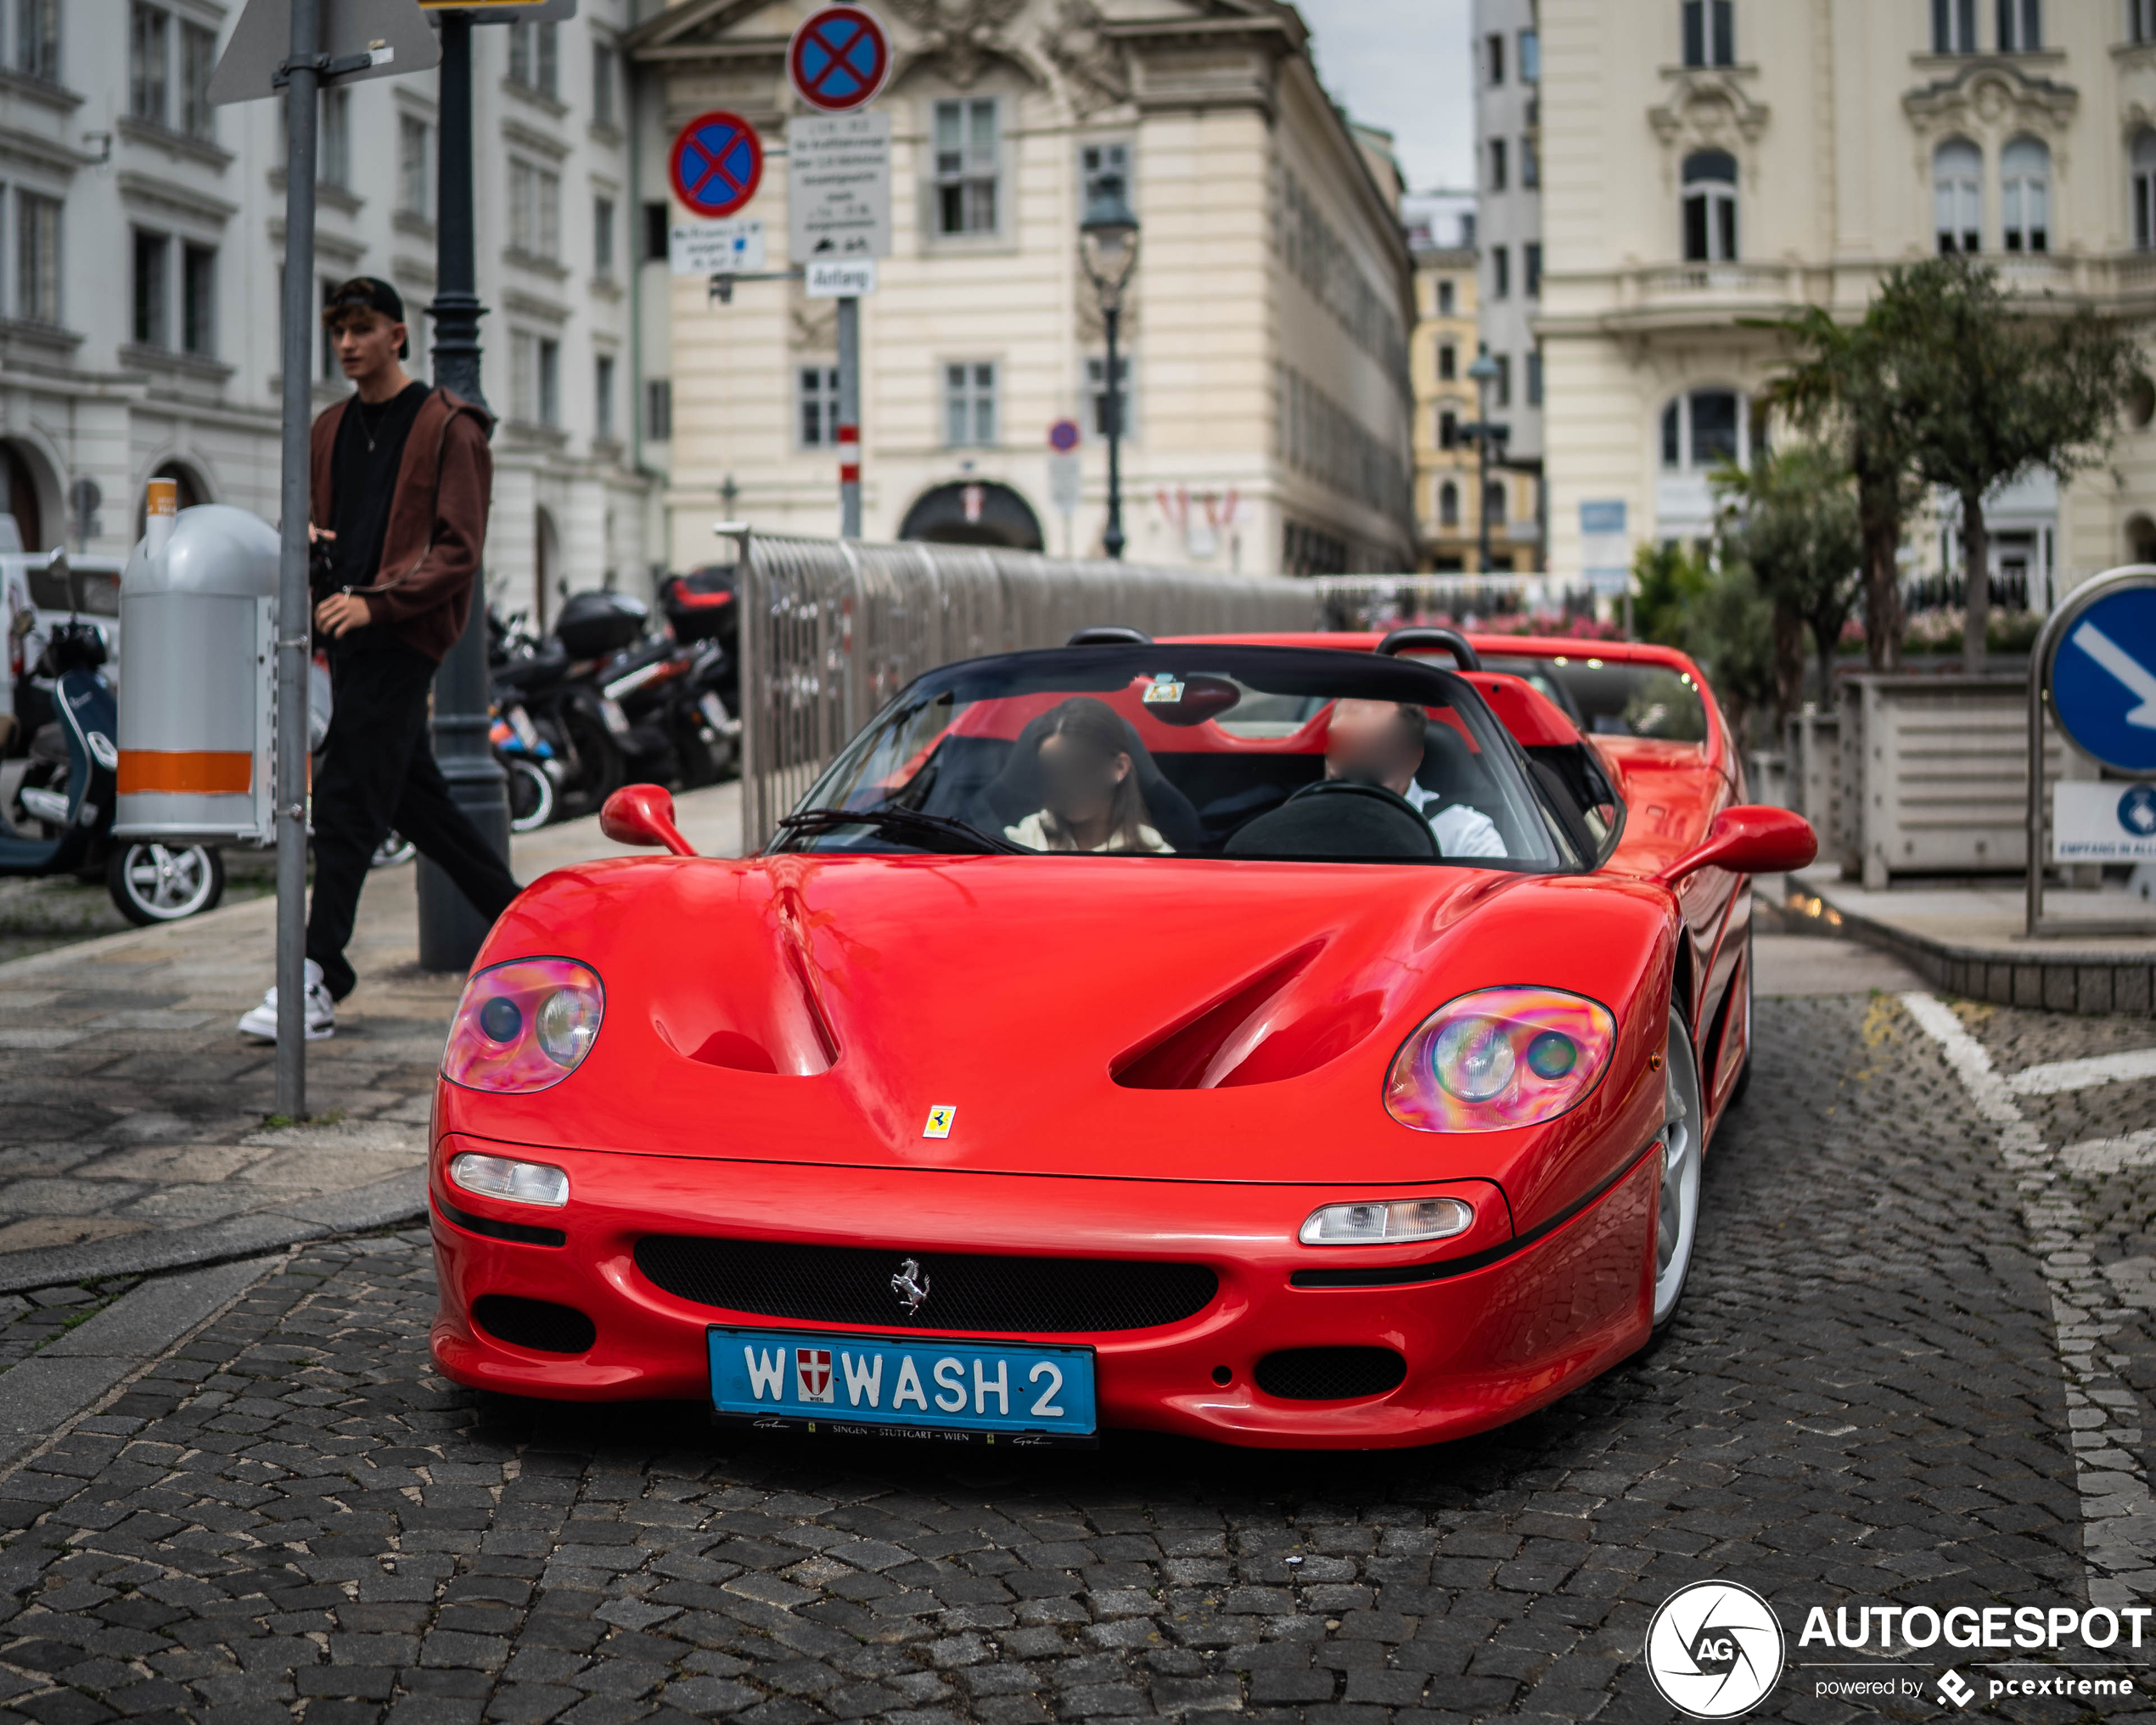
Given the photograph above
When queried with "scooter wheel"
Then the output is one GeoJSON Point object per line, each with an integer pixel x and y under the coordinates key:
{"type": "Point", "coordinates": [532, 794]}
{"type": "Point", "coordinates": [163, 883]}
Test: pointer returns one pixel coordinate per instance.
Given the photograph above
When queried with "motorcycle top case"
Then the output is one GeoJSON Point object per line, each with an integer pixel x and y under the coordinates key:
{"type": "Point", "coordinates": [700, 604]}
{"type": "Point", "coordinates": [594, 624]}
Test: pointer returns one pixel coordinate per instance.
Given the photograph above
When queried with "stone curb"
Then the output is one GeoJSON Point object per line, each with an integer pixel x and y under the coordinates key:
{"type": "Point", "coordinates": [402, 1198]}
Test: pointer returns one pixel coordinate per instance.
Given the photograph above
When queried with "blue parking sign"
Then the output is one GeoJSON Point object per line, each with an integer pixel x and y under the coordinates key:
{"type": "Point", "coordinates": [2102, 675]}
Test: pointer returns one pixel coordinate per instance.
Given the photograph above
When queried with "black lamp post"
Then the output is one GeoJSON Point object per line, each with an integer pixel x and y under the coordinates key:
{"type": "Point", "coordinates": [1484, 371]}
{"type": "Point", "coordinates": [1108, 239]}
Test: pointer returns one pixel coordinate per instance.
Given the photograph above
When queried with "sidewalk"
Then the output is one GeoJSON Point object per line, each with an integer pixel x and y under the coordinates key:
{"type": "Point", "coordinates": [132, 1133]}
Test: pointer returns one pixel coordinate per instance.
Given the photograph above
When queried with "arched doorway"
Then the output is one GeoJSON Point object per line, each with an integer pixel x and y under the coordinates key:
{"type": "Point", "coordinates": [973, 511]}
{"type": "Point", "coordinates": [22, 499]}
{"type": "Point", "coordinates": [546, 565]}
{"type": "Point", "coordinates": [2141, 539]}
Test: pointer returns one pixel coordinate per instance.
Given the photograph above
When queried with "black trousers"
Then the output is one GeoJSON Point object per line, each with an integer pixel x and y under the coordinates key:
{"type": "Point", "coordinates": [378, 773]}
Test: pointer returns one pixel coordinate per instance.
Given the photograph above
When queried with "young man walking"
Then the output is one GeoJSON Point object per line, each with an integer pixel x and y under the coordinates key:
{"type": "Point", "coordinates": [401, 479]}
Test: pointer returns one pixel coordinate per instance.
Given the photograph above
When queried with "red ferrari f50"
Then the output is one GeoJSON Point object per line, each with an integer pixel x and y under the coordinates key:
{"type": "Point", "coordinates": [1266, 1039]}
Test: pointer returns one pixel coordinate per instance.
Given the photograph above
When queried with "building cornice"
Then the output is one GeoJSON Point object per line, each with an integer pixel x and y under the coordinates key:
{"type": "Point", "coordinates": [148, 191]}
{"type": "Point", "coordinates": [528, 137]}
{"type": "Point", "coordinates": [57, 97]}
{"type": "Point", "coordinates": [176, 145]}
{"type": "Point", "coordinates": [40, 151]}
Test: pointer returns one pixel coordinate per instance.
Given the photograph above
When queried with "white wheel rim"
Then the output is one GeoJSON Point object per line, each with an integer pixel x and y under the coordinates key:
{"type": "Point", "coordinates": [1677, 1211]}
{"type": "Point", "coordinates": [168, 884]}
{"type": "Point", "coordinates": [544, 797]}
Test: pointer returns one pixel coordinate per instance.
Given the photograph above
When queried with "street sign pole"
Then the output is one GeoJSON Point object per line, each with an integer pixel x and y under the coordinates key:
{"type": "Point", "coordinates": [849, 417]}
{"type": "Point", "coordinates": [294, 632]}
{"type": "Point", "coordinates": [450, 929]}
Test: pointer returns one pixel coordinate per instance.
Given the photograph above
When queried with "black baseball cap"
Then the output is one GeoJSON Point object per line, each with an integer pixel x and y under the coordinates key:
{"type": "Point", "coordinates": [367, 294]}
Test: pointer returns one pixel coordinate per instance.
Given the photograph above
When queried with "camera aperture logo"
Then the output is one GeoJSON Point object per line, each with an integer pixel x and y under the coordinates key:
{"type": "Point", "coordinates": [1713, 1649]}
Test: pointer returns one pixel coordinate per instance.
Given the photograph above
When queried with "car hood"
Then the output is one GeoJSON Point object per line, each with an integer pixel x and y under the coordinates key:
{"type": "Point", "coordinates": [1088, 1016]}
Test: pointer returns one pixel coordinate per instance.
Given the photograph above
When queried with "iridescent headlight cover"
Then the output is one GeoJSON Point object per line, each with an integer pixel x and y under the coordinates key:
{"type": "Point", "coordinates": [1500, 1058]}
{"type": "Point", "coordinates": [524, 1026]}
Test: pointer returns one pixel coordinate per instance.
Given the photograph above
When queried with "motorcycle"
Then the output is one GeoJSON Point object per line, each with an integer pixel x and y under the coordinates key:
{"type": "Point", "coordinates": [70, 784]}
{"type": "Point", "coordinates": [528, 760]}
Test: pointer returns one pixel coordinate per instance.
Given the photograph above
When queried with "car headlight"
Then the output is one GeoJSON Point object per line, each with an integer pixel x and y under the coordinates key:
{"type": "Point", "coordinates": [524, 1026]}
{"type": "Point", "coordinates": [515, 1183]}
{"type": "Point", "coordinates": [1500, 1058]}
{"type": "Point", "coordinates": [1387, 1221]}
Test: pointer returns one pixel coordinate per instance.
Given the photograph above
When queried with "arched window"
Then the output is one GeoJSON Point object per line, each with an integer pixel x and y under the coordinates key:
{"type": "Point", "coordinates": [1709, 37]}
{"type": "Point", "coordinates": [2143, 161]}
{"type": "Point", "coordinates": [2025, 195]}
{"type": "Point", "coordinates": [1709, 207]}
{"type": "Point", "coordinates": [1703, 430]}
{"type": "Point", "coordinates": [1957, 196]}
{"type": "Point", "coordinates": [1493, 503]}
{"type": "Point", "coordinates": [1448, 504]}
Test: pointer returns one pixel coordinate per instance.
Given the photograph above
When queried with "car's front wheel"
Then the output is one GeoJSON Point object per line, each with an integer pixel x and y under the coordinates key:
{"type": "Point", "coordinates": [1683, 1138]}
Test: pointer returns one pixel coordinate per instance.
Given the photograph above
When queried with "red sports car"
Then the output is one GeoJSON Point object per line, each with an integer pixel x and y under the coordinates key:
{"type": "Point", "coordinates": [1272, 1040]}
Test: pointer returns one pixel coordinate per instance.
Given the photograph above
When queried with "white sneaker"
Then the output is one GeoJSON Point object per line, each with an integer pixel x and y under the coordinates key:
{"type": "Point", "coordinates": [320, 1013]}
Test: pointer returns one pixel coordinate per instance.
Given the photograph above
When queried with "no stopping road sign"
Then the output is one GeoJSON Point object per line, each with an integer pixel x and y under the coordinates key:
{"type": "Point", "coordinates": [840, 58]}
{"type": "Point", "coordinates": [717, 164]}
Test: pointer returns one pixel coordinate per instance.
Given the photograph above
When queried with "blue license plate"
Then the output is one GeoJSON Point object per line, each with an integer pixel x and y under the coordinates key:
{"type": "Point", "coordinates": [898, 1386]}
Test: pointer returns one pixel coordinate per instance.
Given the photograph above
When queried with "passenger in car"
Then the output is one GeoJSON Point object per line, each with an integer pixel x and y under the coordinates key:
{"type": "Point", "coordinates": [1384, 743]}
{"type": "Point", "coordinates": [1089, 785]}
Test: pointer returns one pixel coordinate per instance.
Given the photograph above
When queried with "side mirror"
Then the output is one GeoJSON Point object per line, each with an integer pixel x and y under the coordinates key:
{"type": "Point", "coordinates": [1749, 838]}
{"type": "Point", "coordinates": [644, 814]}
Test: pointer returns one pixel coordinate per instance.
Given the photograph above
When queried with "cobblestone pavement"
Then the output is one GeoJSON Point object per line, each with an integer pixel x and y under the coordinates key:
{"type": "Point", "coordinates": [290, 1517]}
{"type": "Point", "coordinates": [133, 1108]}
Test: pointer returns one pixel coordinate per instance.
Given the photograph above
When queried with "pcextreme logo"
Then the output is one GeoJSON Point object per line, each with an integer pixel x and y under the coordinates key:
{"type": "Point", "coordinates": [1713, 1649]}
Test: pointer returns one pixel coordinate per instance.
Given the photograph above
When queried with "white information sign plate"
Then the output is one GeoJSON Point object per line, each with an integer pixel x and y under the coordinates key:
{"type": "Point", "coordinates": [841, 281]}
{"type": "Point", "coordinates": [839, 187]}
{"type": "Point", "coordinates": [2108, 823]}
{"type": "Point", "coordinates": [734, 246]}
{"type": "Point", "coordinates": [1066, 482]}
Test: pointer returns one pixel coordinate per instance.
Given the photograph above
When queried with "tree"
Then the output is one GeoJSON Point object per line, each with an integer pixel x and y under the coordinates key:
{"type": "Point", "coordinates": [1731, 635]}
{"type": "Point", "coordinates": [1793, 517]}
{"type": "Point", "coordinates": [1994, 391]}
{"type": "Point", "coordinates": [1670, 579]}
{"type": "Point", "coordinates": [1847, 384]}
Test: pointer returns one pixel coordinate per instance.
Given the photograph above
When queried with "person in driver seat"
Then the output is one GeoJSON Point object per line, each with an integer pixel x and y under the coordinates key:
{"type": "Point", "coordinates": [1382, 743]}
{"type": "Point", "coordinates": [1089, 786]}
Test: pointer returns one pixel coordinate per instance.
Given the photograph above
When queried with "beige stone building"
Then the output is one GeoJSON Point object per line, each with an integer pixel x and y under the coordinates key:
{"type": "Point", "coordinates": [1265, 326]}
{"type": "Point", "coordinates": [1707, 162]}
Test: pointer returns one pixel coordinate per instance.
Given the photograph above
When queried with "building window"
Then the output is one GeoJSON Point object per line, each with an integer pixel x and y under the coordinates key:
{"type": "Point", "coordinates": [333, 146]}
{"type": "Point", "coordinates": [655, 225]}
{"type": "Point", "coordinates": [1496, 164]}
{"type": "Point", "coordinates": [818, 392]}
{"type": "Point", "coordinates": [1531, 163]}
{"type": "Point", "coordinates": [1534, 377]}
{"type": "Point", "coordinates": [602, 397]}
{"type": "Point", "coordinates": [966, 150]}
{"type": "Point", "coordinates": [1530, 269]}
{"type": "Point", "coordinates": [2143, 161]}
{"type": "Point", "coordinates": [603, 78]}
{"type": "Point", "coordinates": [1501, 386]}
{"type": "Point", "coordinates": [1501, 273]}
{"type": "Point", "coordinates": [1448, 504]}
{"type": "Point", "coordinates": [1096, 414]}
{"type": "Point", "coordinates": [331, 371]}
{"type": "Point", "coordinates": [1710, 33]}
{"type": "Point", "coordinates": [658, 409]}
{"type": "Point", "coordinates": [1495, 508]}
{"type": "Point", "coordinates": [1703, 429]}
{"type": "Point", "coordinates": [969, 403]}
{"type": "Point", "coordinates": [1709, 207]}
{"type": "Point", "coordinates": [414, 163]}
{"type": "Point", "coordinates": [1444, 297]}
{"type": "Point", "coordinates": [198, 301]}
{"type": "Point", "coordinates": [37, 39]}
{"type": "Point", "coordinates": [2025, 195]}
{"type": "Point", "coordinates": [1448, 363]}
{"type": "Point", "coordinates": [2021, 25]}
{"type": "Point", "coordinates": [38, 258]}
{"type": "Point", "coordinates": [1494, 63]}
{"type": "Point", "coordinates": [534, 60]}
{"type": "Point", "coordinates": [603, 238]}
{"type": "Point", "coordinates": [2140, 21]}
{"type": "Point", "coordinates": [535, 212]}
{"type": "Point", "coordinates": [1097, 165]}
{"type": "Point", "coordinates": [1531, 57]}
{"type": "Point", "coordinates": [149, 32]}
{"type": "Point", "coordinates": [549, 355]}
{"type": "Point", "coordinates": [198, 60]}
{"type": "Point", "coordinates": [535, 383]}
{"type": "Point", "coordinates": [1448, 429]}
{"type": "Point", "coordinates": [1953, 27]}
{"type": "Point", "coordinates": [153, 265]}
{"type": "Point", "coordinates": [1957, 196]}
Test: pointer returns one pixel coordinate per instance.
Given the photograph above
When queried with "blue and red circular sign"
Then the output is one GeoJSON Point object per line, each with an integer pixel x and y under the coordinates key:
{"type": "Point", "coordinates": [717, 164]}
{"type": "Point", "coordinates": [1062, 436]}
{"type": "Point", "coordinates": [840, 58]}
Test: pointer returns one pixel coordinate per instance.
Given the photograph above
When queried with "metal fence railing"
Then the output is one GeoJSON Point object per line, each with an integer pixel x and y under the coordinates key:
{"type": "Point", "coordinates": [831, 629]}
{"type": "Point", "coordinates": [1507, 603]}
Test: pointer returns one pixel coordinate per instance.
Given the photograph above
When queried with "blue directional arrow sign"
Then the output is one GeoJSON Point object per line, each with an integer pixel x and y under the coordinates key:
{"type": "Point", "coordinates": [2103, 677]}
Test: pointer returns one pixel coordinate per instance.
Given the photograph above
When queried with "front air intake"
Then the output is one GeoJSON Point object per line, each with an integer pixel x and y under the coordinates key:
{"type": "Point", "coordinates": [538, 1324]}
{"type": "Point", "coordinates": [1330, 1373]}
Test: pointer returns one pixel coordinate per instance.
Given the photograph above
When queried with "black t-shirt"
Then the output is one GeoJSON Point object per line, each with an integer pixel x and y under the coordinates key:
{"type": "Point", "coordinates": [362, 465]}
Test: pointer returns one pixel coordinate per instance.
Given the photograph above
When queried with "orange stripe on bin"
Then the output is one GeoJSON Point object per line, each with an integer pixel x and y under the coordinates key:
{"type": "Point", "coordinates": [201, 771]}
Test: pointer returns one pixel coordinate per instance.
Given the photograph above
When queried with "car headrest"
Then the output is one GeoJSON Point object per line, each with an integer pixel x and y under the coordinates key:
{"type": "Point", "coordinates": [1451, 767]}
{"type": "Point", "coordinates": [1337, 825]}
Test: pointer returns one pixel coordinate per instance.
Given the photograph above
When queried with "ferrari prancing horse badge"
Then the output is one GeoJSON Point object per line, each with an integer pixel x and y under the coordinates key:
{"type": "Point", "coordinates": [940, 1116]}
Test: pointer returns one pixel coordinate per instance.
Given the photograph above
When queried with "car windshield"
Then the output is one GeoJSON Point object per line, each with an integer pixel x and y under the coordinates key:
{"type": "Point", "coordinates": [1216, 751]}
{"type": "Point", "coordinates": [1616, 697]}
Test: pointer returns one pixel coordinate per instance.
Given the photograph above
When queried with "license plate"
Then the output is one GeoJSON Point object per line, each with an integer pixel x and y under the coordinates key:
{"type": "Point", "coordinates": [962, 1391]}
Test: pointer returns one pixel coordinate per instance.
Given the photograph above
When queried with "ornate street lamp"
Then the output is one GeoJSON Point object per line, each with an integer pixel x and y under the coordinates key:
{"type": "Point", "coordinates": [1484, 371]}
{"type": "Point", "coordinates": [1107, 240]}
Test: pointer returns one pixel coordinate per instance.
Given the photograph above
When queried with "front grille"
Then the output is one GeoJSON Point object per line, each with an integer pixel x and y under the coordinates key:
{"type": "Point", "coordinates": [1330, 1373]}
{"type": "Point", "coordinates": [538, 1324]}
{"type": "Point", "coordinates": [967, 1291]}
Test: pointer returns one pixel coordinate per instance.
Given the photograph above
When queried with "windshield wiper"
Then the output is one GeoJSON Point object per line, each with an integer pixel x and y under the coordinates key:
{"type": "Point", "coordinates": [900, 821]}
